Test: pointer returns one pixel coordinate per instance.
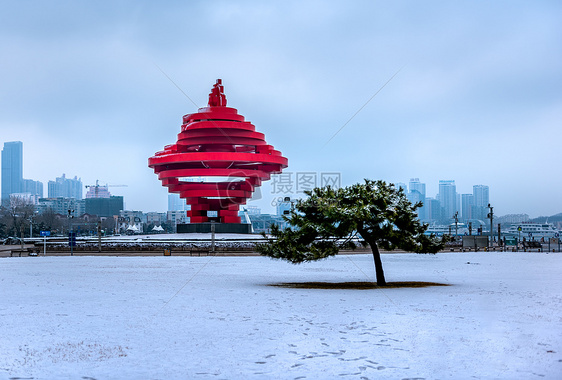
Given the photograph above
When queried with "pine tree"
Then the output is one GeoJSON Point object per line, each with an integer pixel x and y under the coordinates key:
{"type": "Point", "coordinates": [330, 219]}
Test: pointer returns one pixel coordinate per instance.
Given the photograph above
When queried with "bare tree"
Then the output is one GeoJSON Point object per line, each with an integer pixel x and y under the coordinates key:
{"type": "Point", "coordinates": [17, 215]}
{"type": "Point", "coordinates": [49, 220]}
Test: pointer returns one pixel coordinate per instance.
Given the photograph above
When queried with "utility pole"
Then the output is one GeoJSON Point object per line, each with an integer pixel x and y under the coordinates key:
{"type": "Point", "coordinates": [491, 216]}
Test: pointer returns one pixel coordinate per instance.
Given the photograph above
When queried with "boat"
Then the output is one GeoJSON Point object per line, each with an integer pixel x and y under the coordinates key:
{"type": "Point", "coordinates": [532, 231]}
{"type": "Point", "coordinates": [440, 230]}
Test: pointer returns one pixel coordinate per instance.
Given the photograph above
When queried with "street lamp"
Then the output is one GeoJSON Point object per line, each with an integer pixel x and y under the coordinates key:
{"type": "Point", "coordinates": [71, 236]}
{"type": "Point", "coordinates": [31, 224]}
{"type": "Point", "coordinates": [99, 235]}
{"type": "Point", "coordinates": [491, 216]}
{"type": "Point", "coordinates": [456, 216]}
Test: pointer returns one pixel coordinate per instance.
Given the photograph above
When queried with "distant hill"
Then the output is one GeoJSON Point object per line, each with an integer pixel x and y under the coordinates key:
{"type": "Point", "coordinates": [554, 219]}
{"type": "Point", "coordinates": [550, 219]}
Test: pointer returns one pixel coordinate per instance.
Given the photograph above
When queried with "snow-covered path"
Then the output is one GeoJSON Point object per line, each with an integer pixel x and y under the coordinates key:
{"type": "Point", "coordinates": [217, 318]}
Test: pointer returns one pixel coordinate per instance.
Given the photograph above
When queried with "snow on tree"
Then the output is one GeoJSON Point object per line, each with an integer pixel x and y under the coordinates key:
{"type": "Point", "coordinates": [329, 219]}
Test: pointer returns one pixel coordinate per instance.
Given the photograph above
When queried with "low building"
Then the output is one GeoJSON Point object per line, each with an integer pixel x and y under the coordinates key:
{"type": "Point", "coordinates": [155, 218]}
{"type": "Point", "coordinates": [61, 205]}
{"type": "Point", "coordinates": [131, 222]}
{"type": "Point", "coordinates": [177, 217]}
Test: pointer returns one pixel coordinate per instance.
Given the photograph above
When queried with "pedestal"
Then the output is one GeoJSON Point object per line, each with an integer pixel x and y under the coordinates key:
{"type": "Point", "coordinates": [220, 228]}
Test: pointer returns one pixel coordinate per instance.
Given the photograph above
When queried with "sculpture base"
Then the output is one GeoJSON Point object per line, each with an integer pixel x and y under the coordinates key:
{"type": "Point", "coordinates": [220, 228]}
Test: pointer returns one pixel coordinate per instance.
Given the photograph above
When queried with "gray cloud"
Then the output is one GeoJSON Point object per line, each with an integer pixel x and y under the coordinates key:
{"type": "Point", "coordinates": [478, 99]}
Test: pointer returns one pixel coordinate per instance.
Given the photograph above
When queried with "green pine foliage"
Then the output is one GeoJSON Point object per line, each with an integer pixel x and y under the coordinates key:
{"type": "Point", "coordinates": [331, 219]}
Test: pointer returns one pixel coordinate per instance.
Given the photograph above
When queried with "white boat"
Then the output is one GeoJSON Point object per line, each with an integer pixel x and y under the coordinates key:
{"type": "Point", "coordinates": [439, 230]}
{"type": "Point", "coordinates": [532, 231]}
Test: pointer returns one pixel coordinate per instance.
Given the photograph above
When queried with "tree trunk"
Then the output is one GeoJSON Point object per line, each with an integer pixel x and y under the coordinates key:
{"type": "Point", "coordinates": [379, 272]}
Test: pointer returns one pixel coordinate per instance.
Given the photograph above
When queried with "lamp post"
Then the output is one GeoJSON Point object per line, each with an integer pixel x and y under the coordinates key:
{"type": "Point", "coordinates": [99, 235]}
{"type": "Point", "coordinates": [71, 236]}
{"type": "Point", "coordinates": [456, 217]}
{"type": "Point", "coordinates": [31, 224]}
{"type": "Point", "coordinates": [491, 216]}
{"type": "Point", "coordinates": [213, 237]}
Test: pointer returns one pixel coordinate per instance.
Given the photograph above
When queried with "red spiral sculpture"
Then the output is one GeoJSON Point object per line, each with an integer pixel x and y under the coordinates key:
{"type": "Point", "coordinates": [216, 143]}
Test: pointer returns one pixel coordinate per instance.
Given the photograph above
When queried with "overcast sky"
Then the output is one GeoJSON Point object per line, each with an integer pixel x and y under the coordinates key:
{"type": "Point", "coordinates": [477, 97]}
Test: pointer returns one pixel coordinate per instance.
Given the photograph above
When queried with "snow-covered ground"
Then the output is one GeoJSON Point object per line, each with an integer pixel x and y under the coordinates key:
{"type": "Point", "coordinates": [217, 318]}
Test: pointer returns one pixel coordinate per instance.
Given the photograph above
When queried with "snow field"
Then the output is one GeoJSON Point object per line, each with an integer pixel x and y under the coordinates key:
{"type": "Point", "coordinates": [218, 318]}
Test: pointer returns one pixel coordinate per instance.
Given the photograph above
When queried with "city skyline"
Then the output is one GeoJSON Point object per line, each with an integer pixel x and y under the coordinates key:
{"type": "Point", "coordinates": [468, 91]}
{"type": "Point", "coordinates": [11, 180]}
{"type": "Point", "coordinates": [448, 199]}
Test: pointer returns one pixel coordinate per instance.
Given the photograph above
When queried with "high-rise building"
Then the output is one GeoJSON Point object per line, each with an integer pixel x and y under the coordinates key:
{"type": "Point", "coordinates": [417, 194]}
{"type": "Point", "coordinates": [34, 188]}
{"type": "Point", "coordinates": [98, 191]}
{"type": "Point", "coordinates": [434, 211]}
{"type": "Point", "coordinates": [416, 185]}
{"type": "Point", "coordinates": [175, 203]}
{"type": "Point", "coordinates": [65, 187]}
{"type": "Point", "coordinates": [481, 195]}
{"type": "Point", "coordinates": [467, 203]}
{"type": "Point", "coordinates": [481, 200]}
{"type": "Point", "coordinates": [401, 185]}
{"type": "Point", "coordinates": [12, 175]}
{"type": "Point", "coordinates": [12, 169]}
{"type": "Point", "coordinates": [448, 198]}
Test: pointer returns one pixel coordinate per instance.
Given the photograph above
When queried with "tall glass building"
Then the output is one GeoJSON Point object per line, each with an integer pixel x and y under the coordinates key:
{"type": "Point", "coordinates": [481, 195]}
{"type": "Point", "coordinates": [12, 169]}
{"type": "Point", "coordinates": [467, 206]}
{"type": "Point", "coordinates": [448, 198]}
{"type": "Point", "coordinates": [175, 203]}
{"type": "Point", "coordinates": [481, 200]}
{"type": "Point", "coordinates": [417, 194]}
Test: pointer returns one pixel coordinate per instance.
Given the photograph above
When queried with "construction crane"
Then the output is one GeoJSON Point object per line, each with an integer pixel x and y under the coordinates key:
{"type": "Point", "coordinates": [97, 186]}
